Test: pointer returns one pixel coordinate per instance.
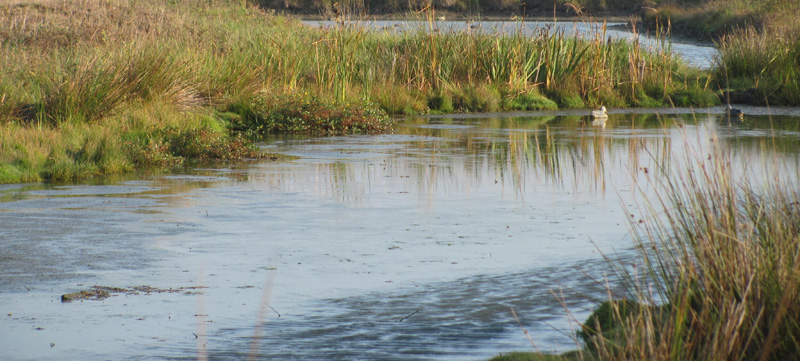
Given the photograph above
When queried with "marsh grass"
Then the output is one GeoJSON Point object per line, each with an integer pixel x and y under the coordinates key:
{"type": "Point", "coordinates": [711, 19]}
{"type": "Point", "coordinates": [156, 135]}
{"type": "Point", "coordinates": [758, 41]}
{"type": "Point", "coordinates": [235, 52]}
{"type": "Point", "coordinates": [460, 7]}
{"type": "Point", "coordinates": [762, 62]}
{"type": "Point", "coordinates": [93, 65]}
{"type": "Point", "coordinates": [721, 272]}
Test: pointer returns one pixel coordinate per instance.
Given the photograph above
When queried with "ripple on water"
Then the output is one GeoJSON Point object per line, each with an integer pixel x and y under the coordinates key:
{"type": "Point", "coordinates": [429, 321]}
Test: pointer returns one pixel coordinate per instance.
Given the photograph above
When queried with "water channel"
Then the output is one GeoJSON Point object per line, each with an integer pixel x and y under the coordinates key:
{"type": "Point", "coordinates": [413, 245]}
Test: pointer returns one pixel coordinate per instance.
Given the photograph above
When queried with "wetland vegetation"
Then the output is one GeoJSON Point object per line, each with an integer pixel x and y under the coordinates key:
{"type": "Point", "coordinates": [90, 87]}
{"type": "Point", "coordinates": [101, 86]}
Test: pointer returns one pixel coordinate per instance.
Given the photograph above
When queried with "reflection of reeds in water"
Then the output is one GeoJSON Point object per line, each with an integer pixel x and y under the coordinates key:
{"type": "Point", "coordinates": [519, 154]}
{"type": "Point", "coordinates": [467, 156]}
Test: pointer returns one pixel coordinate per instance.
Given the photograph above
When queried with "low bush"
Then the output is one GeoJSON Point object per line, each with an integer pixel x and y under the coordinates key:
{"type": "Point", "coordinates": [310, 115]}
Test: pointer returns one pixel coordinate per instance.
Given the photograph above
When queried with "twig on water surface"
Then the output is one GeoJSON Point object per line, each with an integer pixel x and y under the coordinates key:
{"type": "Point", "coordinates": [409, 315]}
{"type": "Point", "coordinates": [273, 309]}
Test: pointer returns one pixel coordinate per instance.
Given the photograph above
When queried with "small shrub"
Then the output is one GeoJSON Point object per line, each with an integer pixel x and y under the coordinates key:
{"type": "Point", "coordinates": [482, 98]}
{"type": "Point", "coordinates": [10, 174]}
{"type": "Point", "coordinates": [204, 144]}
{"type": "Point", "coordinates": [62, 165]}
{"type": "Point", "coordinates": [441, 102]}
{"type": "Point", "coordinates": [608, 97]}
{"type": "Point", "coordinates": [569, 100]}
{"type": "Point", "coordinates": [145, 150]}
{"type": "Point", "coordinates": [608, 321]}
{"type": "Point", "coordinates": [399, 100]}
{"type": "Point", "coordinates": [695, 97]}
{"type": "Point", "coordinates": [644, 100]}
{"type": "Point", "coordinates": [170, 147]}
{"type": "Point", "coordinates": [312, 115]}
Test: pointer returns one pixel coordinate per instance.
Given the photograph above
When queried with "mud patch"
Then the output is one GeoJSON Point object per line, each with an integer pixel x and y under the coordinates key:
{"type": "Point", "coordinates": [103, 292]}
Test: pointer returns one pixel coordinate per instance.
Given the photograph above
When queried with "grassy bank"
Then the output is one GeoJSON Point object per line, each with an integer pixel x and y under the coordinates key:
{"type": "Point", "coordinates": [759, 44]}
{"type": "Point", "coordinates": [96, 86]}
{"type": "Point", "coordinates": [711, 19]}
{"type": "Point", "coordinates": [93, 87]}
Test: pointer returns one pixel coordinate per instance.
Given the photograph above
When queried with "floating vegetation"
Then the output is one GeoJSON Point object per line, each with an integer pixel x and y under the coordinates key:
{"type": "Point", "coordinates": [102, 292]}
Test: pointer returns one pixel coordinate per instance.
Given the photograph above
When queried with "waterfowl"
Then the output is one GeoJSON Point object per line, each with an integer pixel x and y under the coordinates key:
{"type": "Point", "coordinates": [600, 113]}
{"type": "Point", "coordinates": [735, 112]}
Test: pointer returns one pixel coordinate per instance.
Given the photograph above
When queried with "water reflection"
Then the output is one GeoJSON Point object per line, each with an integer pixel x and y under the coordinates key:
{"type": "Point", "coordinates": [410, 245]}
{"type": "Point", "coordinates": [434, 156]}
{"type": "Point", "coordinates": [460, 154]}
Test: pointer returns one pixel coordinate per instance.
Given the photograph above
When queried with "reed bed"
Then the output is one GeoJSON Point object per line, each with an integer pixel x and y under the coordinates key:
{"type": "Point", "coordinates": [223, 54]}
{"type": "Point", "coordinates": [721, 272]}
{"type": "Point", "coordinates": [533, 8]}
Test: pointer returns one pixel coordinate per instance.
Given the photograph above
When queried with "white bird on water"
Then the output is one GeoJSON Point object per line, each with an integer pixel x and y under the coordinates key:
{"type": "Point", "coordinates": [600, 113]}
{"type": "Point", "coordinates": [735, 112]}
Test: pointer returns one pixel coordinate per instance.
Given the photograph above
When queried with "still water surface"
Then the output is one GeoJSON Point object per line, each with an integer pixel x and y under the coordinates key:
{"type": "Point", "coordinates": [404, 246]}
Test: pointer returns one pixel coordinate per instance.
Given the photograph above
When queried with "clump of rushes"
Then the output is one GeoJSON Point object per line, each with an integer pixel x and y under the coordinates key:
{"type": "Point", "coordinates": [311, 115]}
{"type": "Point", "coordinates": [761, 65]}
{"type": "Point", "coordinates": [722, 271]}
